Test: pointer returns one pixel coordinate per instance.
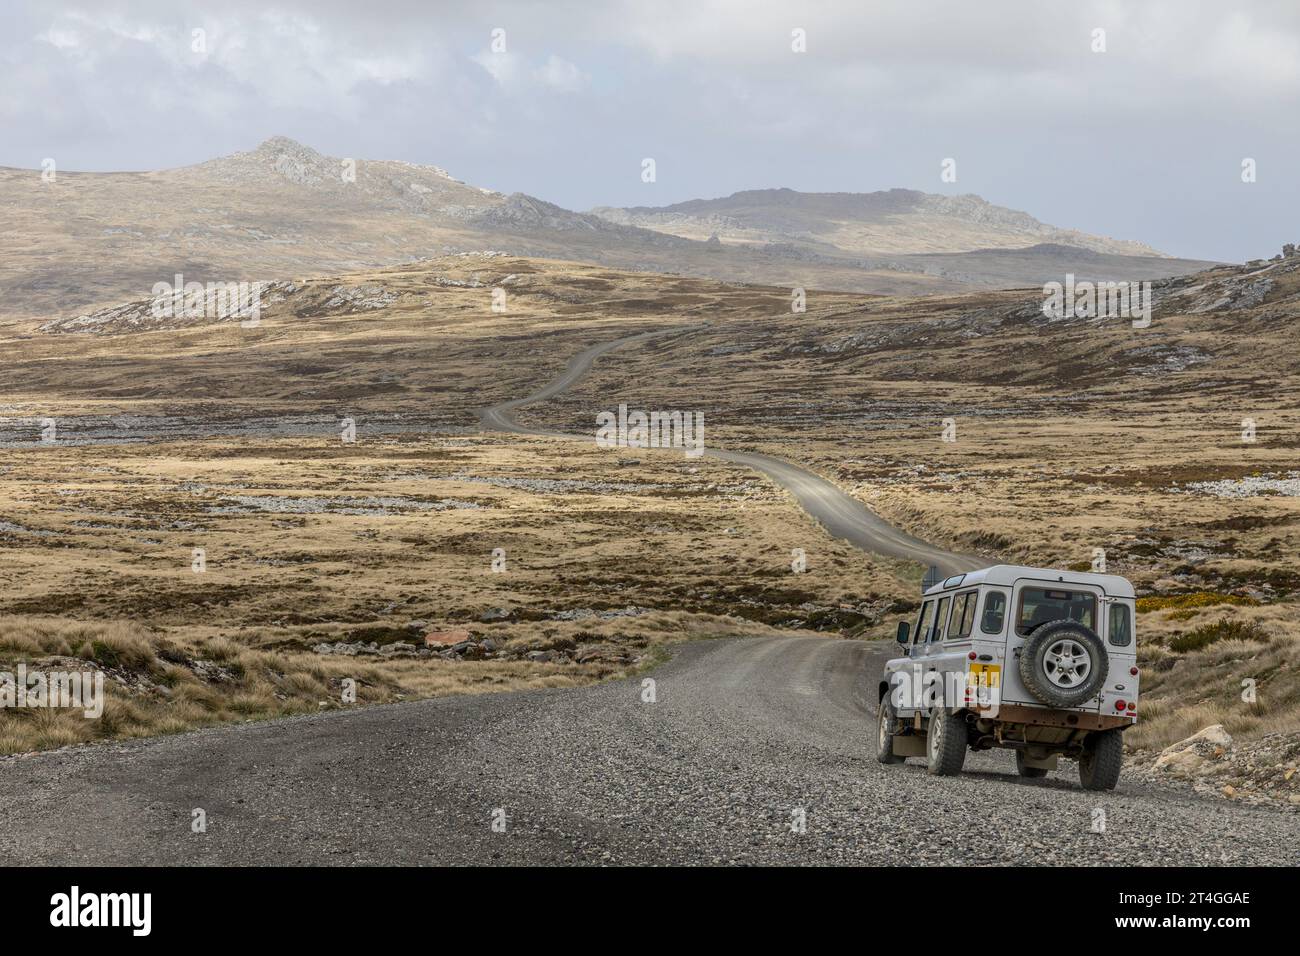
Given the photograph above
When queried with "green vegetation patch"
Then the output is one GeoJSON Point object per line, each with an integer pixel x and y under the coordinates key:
{"type": "Point", "coordinates": [1196, 599]}
{"type": "Point", "coordinates": [1209, 634]}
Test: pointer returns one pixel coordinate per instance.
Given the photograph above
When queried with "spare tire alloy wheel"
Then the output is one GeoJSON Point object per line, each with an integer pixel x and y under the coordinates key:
{"type": "Point", "coordinates": [1063, 663]}
{"type": "Point", "coordinates": [1068, 663]}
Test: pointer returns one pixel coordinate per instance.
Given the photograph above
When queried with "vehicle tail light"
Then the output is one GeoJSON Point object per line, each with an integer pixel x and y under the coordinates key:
{"type": "Point", "coordinates": [1132, 706]}
{"type": "Point", "coordinates": [1119, 705]}
{"type": "Point", "coordinates": [971, 655]}
{"type": "Point", "coordinates": [1133, 671]}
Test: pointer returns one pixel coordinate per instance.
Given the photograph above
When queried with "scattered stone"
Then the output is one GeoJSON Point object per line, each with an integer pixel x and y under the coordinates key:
{"type": "Point", "coordinates": [582, 613]}
{"type": "Point", "coordinates": [601, 653]}
{"type": "Point", "coordinates": [211, 671]}
{"type": "Point", "coordinates": [445, 638]}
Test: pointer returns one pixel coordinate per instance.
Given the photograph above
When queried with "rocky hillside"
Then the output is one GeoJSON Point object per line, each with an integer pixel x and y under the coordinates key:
{"type": "Point", "coordinates": [281, 163]}
{"type": "Point", "coordinates": [889, 221]}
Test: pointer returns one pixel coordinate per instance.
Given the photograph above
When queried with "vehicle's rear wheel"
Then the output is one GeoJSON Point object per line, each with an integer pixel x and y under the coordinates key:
{"type": "Point", "coordinates": [945, 744]}
{"type": "Point", "coordinates": [1025, 770]}
{"type": "Point", "coordinates": [1101, 760]}
{"type": "Point", "coordinates": [886, 725]}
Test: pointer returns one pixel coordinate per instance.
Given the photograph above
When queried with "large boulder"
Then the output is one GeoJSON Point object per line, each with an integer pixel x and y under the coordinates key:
{"type": "Point", "coordinates": [440, 639]}
{"type": "Point", "coordinates": [1189, 757]}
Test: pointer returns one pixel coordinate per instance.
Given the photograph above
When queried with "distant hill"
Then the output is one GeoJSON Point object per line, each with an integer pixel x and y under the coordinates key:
{"type": "Point", "coordinates": [285, 211]}
{"type": "Point", "coordinates": [891, 221]}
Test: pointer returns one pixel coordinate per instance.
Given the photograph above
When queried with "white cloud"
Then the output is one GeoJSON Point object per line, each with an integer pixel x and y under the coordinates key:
{"type": "Point", "coordinates": [511, 72]}
{"type": "Point", "coordinates": [503, 66]}
{"type": "Point", "coordinates": [558, 73]}
{"type": "Point", "coordinates": [710, 87]}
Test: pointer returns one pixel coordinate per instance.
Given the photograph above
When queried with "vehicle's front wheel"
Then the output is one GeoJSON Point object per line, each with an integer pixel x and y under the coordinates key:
{"type": "Point", "coordinates": [886, 725]}
{"type": "Point", "coordinates": [1101, 760]}
{"type": "Point", "coordinates": [1025, 770]}
{"type": "Point", "coordinates": [945, 744]}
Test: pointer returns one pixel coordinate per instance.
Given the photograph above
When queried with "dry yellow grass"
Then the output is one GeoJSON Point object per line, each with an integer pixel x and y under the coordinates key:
{"type": "Point", "coordinates": [151, 695]}
{"type": "Point", "coordinates": [1070, 438]}
{"type": "Point", "coordinates": [597, 554]}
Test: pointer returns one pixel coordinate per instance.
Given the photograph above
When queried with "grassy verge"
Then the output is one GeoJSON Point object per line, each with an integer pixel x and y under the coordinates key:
{"type": "Point", "coordinates": [154, 686]}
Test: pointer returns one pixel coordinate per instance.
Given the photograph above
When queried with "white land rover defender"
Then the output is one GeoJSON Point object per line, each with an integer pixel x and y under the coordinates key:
{"type": "Point", "coordinates": [1043, 662]}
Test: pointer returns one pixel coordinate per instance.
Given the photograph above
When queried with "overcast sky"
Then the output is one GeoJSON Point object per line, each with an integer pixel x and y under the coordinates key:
{"type": "Point", "coordinates": [1145, 140]}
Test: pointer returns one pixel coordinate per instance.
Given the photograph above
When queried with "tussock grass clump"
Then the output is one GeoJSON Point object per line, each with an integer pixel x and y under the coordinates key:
{"type": "Point", "coordinates": [22, 637]}
{"type": "Point", "coordinates": [155, 685]}
{"type": "Point", "coordinates": [122, 649]}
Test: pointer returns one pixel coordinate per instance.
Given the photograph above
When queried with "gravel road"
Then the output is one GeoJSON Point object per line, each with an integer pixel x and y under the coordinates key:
{"type": "Point", "coordinates": [842, 515]}
{"type": "Point", "coordinates": [742, 735]}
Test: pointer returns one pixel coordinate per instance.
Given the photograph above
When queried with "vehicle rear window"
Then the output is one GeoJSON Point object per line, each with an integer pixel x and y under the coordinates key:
{"type": "Point", "coordinates": [1121, 625]}
{"type": "Point", "coordinates": [1038, 606]}
{"type": "Point", "coordinates": [995, 606]}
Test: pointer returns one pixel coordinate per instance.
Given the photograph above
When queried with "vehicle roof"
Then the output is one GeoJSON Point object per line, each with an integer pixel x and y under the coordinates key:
{"type": "Point", "coordinates": [1006, 575]}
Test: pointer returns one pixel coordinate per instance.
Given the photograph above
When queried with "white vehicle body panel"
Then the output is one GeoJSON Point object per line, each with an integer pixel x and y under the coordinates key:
{"type": "Point", "coordinates": [978, 613]}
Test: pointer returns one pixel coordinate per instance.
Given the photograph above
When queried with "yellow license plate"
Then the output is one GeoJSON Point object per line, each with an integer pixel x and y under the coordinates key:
{"type": "Point", "coordinates": [984, 684]}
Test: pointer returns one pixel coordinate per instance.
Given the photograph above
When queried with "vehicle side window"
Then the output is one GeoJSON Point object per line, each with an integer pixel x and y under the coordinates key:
{"type": "Point", "coordinates": [958, 609]}
{"type": "Point", "coordinates": [995, 607]}
{"type": "Point", "coordinates": [963, 614]}
{"type": "Point", "coordinates": [940, 620]}
{"type": "Point", "coordinates": [1121, 625]}
{"type": "Point", "coordinates": [923, 622]}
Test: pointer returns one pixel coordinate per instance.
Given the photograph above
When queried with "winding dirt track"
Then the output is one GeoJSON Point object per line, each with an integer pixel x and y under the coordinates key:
{"type": "Point", "coordinates": [842, 515]}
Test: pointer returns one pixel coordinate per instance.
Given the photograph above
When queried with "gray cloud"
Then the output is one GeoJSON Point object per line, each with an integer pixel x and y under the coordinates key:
{"type": "Point", "coordinates": [1143, 141]}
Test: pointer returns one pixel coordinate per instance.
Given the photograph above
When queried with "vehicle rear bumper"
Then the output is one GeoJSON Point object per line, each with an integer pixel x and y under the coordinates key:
{"type": "Point", "coordinates": [1066, 719]}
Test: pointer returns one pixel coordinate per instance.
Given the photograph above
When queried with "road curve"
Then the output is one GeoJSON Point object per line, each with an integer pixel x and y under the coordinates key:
{"type": "Point", "coordinates": [842, 515]}
{"type": "Point", "coordinates": [744, 740]}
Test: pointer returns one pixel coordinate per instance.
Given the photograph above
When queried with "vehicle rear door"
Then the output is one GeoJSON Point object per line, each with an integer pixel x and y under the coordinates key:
{"type": "Point", "coordinates": [1035, 602]}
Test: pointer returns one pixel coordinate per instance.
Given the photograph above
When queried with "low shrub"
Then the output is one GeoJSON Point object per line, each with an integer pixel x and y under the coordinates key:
{"type": "Point", "coordinates": [1209, 634]}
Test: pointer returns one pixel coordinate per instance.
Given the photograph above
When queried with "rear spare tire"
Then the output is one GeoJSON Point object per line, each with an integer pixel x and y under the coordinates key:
{"type": "Point", "coordinates": [1063, 663]}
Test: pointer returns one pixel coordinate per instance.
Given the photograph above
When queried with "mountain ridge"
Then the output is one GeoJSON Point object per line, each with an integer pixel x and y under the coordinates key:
{"type": "Point", "coordinates": [283, 210]}
{"type": "Point", "coordinates": [860, 223]}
